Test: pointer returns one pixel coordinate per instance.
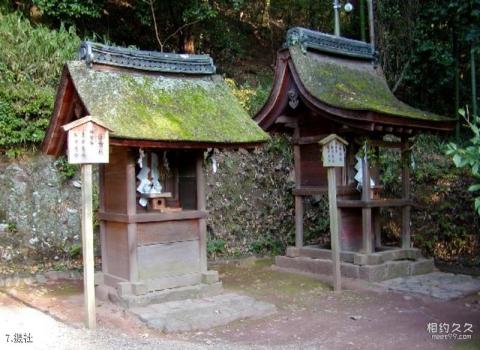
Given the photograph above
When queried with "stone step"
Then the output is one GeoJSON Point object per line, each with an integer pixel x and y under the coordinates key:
{"type": "Point", "coordinates": [202, 290]}
{"type": "Point", "coordinates": [203, 313]}
{"type": "Point", "coordinates": [441, 285]}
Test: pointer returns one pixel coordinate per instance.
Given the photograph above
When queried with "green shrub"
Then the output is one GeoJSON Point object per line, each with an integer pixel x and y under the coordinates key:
{"type": "Point", "coordinates": [216, 247]}
{"type": "Point", "coordinates": [251, 97]}
{"type": "Point", "coordinates": [67, 171]}
{"type": "Point", "coordinates": [469, 157]}
{"type": "Point", "coordinates": [31, 60]}
{"type": "Point", "coordinates": [443, 223]}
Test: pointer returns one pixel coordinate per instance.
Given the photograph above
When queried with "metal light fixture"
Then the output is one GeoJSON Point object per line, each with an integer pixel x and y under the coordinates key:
{"type": "Point", "coordinates": [348, 7]}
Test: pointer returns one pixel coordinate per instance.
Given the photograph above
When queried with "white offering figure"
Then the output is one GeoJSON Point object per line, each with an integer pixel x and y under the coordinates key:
{"type": "Point", "coordinates": [147, 186]}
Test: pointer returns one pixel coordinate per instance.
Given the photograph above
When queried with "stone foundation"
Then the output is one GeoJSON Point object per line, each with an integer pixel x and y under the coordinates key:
{"type": "Point", "coordinates": [374, 267]}
{"type": "Point", "coordinates": [134, 294]}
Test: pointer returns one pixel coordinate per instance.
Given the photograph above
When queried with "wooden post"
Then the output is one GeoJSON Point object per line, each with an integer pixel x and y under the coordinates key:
{"type": "Point", "coordinates": [377, 227]}
{"type": "Point", "coordinates": [366, 212]}
{"type": "Point", "coordinates": [298, 199]}
{"type": "Point", "coordinates": [334, 230]}
{"type": "Point", "coordinates": [131, 210]}
{"type": "Point", "coordinates": [405, 159]}
{"type": "Point", "coordinates": [371, 23]}
{"type": "Point", "coordinates": [298, 221]}
{"type": "Point", "coordinates": [333, 155]}
{"type": "Point", "coordinates": [473, 81]}
{"type": "Point", "coordinates": [201, 205]}
{"type": "Point", "coordinates": [87, 246]}
{"type": "Point", "coordinates": [101, 196]}
{"type": "Point", "coordinates": [88, 143]}
{"type": "Point", "coordinates": [361, 6]}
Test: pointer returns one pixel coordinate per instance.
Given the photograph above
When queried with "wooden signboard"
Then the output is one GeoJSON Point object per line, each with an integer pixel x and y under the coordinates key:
{"type": "Point", "coordinates": [88, 142]}
{"type": "Point", "coordinates": [333, 153]}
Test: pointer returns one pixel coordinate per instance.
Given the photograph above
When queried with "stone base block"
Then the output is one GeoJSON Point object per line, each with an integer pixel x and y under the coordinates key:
{"type": "Point", "coordinates": [372, 273]}
{"type": "Point", "coordinates": [422, 266]}
{"type": "Point", "coordinates": [189, 292]}
{"type": "Point", "coordinates": [316, 266]}
{"type": "Point", "coordinates": [210, 277]}
{"type": "Point", "coordinates": [204, 313]}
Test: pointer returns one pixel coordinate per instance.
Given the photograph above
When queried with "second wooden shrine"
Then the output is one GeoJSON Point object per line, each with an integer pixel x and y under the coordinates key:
{"type": "Point", "coordinates": [325, 85]}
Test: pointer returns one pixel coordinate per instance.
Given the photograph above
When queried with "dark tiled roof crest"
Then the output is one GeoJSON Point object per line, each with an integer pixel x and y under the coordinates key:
{"type": "Point", "coordinates": [309, 39]}
{"type": "Point", "coordinates": [152, 61]}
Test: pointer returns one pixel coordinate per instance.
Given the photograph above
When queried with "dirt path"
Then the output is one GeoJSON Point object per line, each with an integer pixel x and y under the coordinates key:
{"type": "Point", "coordinates": [310, 317]}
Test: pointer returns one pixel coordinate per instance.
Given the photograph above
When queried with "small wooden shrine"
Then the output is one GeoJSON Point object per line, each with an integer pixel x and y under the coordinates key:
{"type": "Point", "coordinates": [164, 110]}
{"type": "Point", "coordinates": [325, 85]}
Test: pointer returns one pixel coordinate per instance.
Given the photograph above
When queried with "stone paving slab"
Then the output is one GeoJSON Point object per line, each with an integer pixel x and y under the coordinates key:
{"type": "Point", "coordinates": [441, 285]}
{"type": "Point", "coordinates": [202, 313]}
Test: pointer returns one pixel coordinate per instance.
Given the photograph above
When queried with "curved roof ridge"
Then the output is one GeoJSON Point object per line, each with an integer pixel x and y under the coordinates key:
{"type": "Point", "coordinates": [153, 61]}
{"type": "Point", "coordinates": [337, 45]}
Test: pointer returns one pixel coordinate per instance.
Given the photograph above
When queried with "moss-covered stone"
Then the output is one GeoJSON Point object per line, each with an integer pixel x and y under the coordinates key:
{"type": "Point", "coordinates": [348, 84]}
{"type": "Point", "coordinates": [164, 108]}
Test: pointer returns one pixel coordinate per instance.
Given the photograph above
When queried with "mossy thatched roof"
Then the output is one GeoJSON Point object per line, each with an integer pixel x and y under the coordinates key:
{"type": "Point", "coordinates": [350, 84]}
{"type": "Point", "coordinates": [164, 107]}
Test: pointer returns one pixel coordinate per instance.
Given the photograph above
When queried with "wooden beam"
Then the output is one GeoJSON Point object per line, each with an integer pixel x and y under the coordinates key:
{"type": "Point", "coordinates": [283, 119]}
{"type": "Point", "coordinates": [201, 205]}
{"type": "Point", "coordinates": [385, 144]}
{"type": "Point", "coordinates": [312, 191]}
{"type": "Point", "coordinates": [307, 140]}
{"type": "Point", "coordinates": [374, 203]}
{"type": "Point", "coordinates": [153, 217]}
{"type": "Point", "coordinates": [180, 144]}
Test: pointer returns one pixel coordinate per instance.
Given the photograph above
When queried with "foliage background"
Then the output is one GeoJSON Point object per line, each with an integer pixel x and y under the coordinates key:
{"type": "Point", "coordinates": [31, 59]}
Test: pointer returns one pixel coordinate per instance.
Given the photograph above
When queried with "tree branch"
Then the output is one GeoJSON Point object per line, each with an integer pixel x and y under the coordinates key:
{"type": "Point", "coordinates": [157, 35]}
{"type": "Point", "coordinates": [400, 78]}
{"type": "Point", "coordinates": [151, 2]}
{"type": "Point", "coordinates": [179, 29]}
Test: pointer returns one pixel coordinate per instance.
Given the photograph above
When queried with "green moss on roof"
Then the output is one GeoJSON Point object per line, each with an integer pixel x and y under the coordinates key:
{"type": "Point", "coordinates": [349, 84]}
{"type": "Point", "coordinates": [164, 108]}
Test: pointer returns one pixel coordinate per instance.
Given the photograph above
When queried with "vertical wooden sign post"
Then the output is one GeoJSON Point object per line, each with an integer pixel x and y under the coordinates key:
{"type": "Point", "coordinates": [88, 141]}
{"type": "Point", "coordinates": [333, 154]}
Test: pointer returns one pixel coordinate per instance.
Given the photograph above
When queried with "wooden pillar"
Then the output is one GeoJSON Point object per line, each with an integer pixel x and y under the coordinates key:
{"type": "Point", "coordinates": [366, 212]}
{"type": "Point", "coordinates": [87, 246]}
{"type": "Point", "coordinates": [201, 205]}
{"type": "Point", "coordinates": [298, 221]}
{"type": "Point", "coordinates": [377, 227]}
{"type": "Point", "coordinates": [132, 210]}
{"type": "Point", "coordinates": [298, 199]}
{"type": "Point", "coordinates": [405, 194]}
{"type": "Point", "coordinates": [101, 196]}
{"type": "Point", "coordinates": [334, 228]}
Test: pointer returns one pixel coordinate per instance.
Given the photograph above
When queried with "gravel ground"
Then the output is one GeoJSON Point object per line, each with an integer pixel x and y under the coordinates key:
{"type": "Point", "coordinates": [48, 333]}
